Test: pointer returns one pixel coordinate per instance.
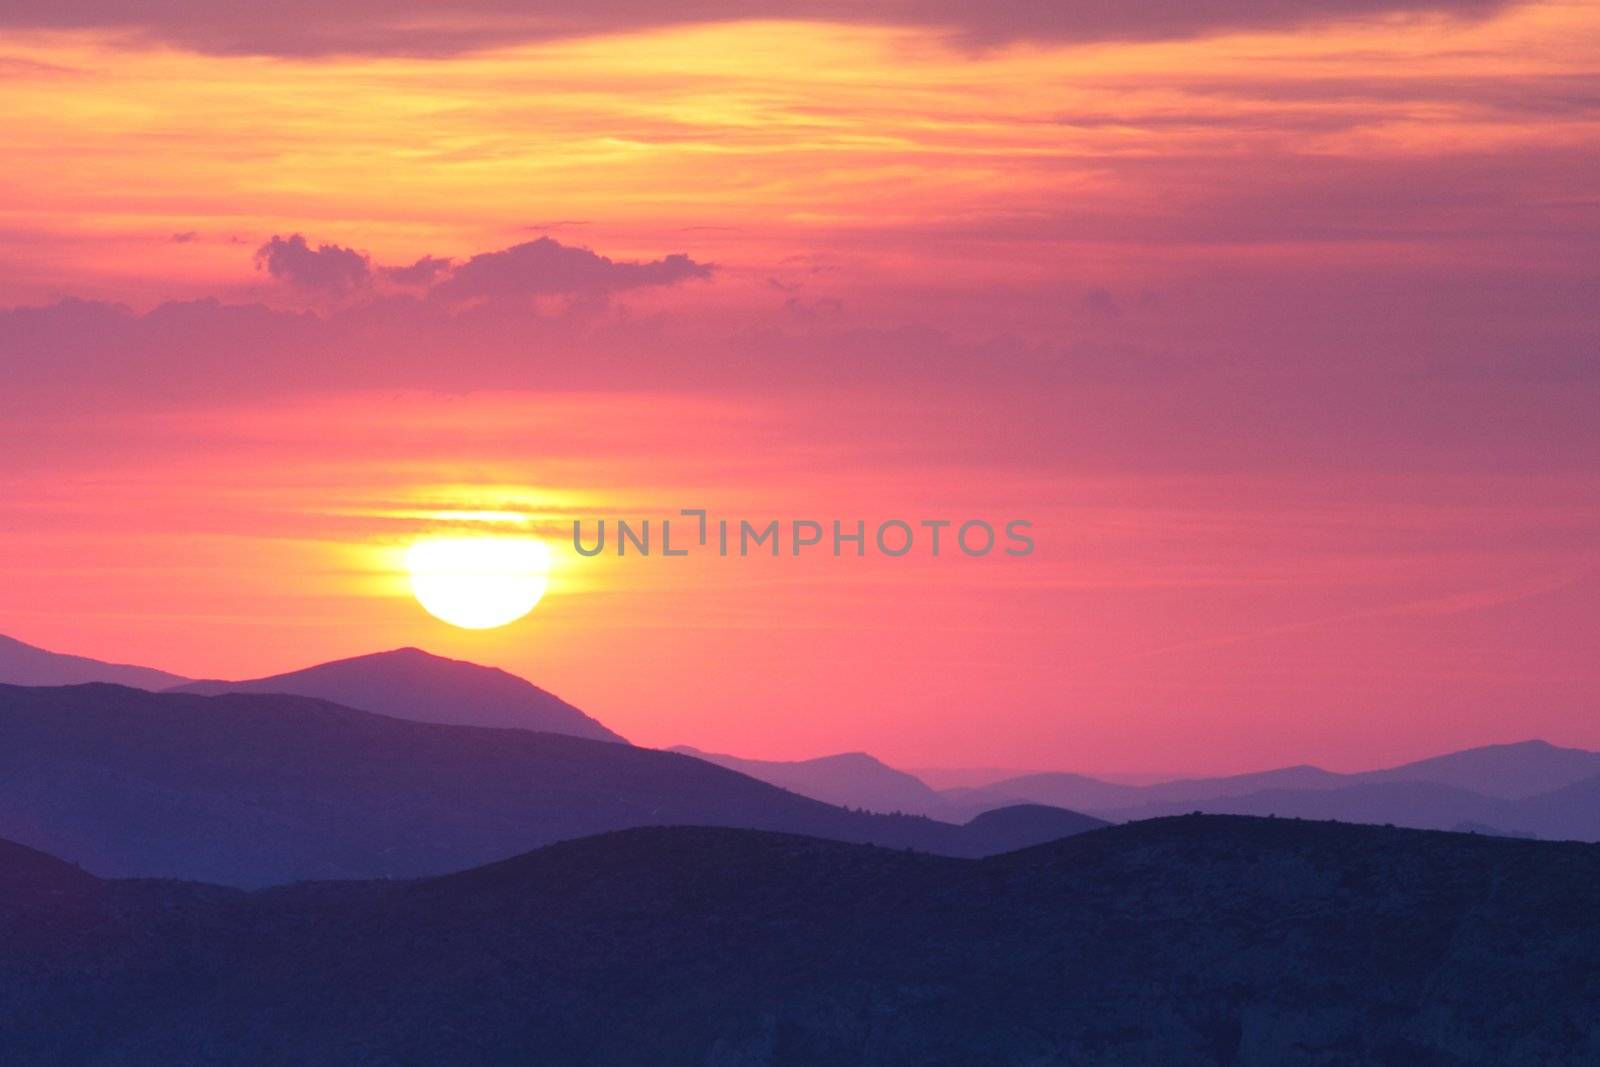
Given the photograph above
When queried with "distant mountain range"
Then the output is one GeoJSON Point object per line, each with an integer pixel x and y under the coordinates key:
{"type": "Point", "coordinates": [1526, 788]}
{"type": "Point", "coordinates": [23, 664]}
{"type": "Point", "coordinates": [253, 789]}
{"type": "Point", "coordinates": [1508, 771]}
{"type": "Point", "coordinates": [1204, 940]}
{"type": "Point", "coordinates": [852, 779]}
{"type": "Point", "coordinates": [1530, 788]}
{"type": "Point", "coordinates": [1516, 771]}
{"type": "Point", "coordinates": [409, 683]}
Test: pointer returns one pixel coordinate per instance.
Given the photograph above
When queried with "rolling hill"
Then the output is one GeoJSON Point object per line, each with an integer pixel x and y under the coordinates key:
{"type": "Point", "coordinates": [1207, 940]}
{"type": "Point", "coordinates": [1421, 805]}
{"type": "Point", "coordinates": [253, 789]}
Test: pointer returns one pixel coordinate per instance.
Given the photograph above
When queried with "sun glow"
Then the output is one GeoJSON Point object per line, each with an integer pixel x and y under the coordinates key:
{"type": "Point", "coordinates": [478, 583]}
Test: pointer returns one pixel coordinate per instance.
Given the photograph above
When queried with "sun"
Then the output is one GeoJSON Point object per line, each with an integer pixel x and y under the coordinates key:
{"type": "Point", "coordinates": [478, 583]}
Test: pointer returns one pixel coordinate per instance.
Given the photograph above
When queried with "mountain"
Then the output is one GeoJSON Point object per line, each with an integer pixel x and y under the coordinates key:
{"type": "Point", "coordinates": [852, 779]}
{"type": "Point", "coordinates": [1530, 788]}
{"type": "Point", "coordinates": [255, 789]}
{"type": "Point", "coordinates": [1515, 771]}
{"type": "Point", "coordinates": [947, 778]}
{"type": "Point", "coordinates": [1121, 801]}
{"type": "Point", "coordinates": [1571, 813]}
{"type": "Point", "coordinates": [1048, 787]}
{"type": "Point", "coordinates": [1422, 805]}
{"type": "Point", "coordinates": [26, 870]}
{"type": "Point", "coordinates": [409, 683]}
{"type": "Point", "coordinates": [1205, 940]}
{"type": "Point", "coordinates": [1021, 825]}
{"type": "Point", "coordinates": [22, 664]}
{"type": "Point", "coordinates": [1097, 795]}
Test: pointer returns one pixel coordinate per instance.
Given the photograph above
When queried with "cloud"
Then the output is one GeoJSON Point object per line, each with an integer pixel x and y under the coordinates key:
{"type": "Point", "coordinates": [546, 267]}
{"type": "Point", "coordinates": [327, 269]}
{"type": "Point", "coordinates": [424, 271]}
{"type": "Point", "coordinates": [421, 27]}
{"type": "Point", "coordinates": [543, 267]}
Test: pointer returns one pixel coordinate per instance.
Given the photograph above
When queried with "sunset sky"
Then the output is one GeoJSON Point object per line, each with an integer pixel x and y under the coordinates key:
{"type": "Point", "coordinates": [1279, 321]}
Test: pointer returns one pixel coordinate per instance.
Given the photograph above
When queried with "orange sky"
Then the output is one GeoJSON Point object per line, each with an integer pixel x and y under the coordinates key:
{"type": "Point", "coordinates": [1281, 334]}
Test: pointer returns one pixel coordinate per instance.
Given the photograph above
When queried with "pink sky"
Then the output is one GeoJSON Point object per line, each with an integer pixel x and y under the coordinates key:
{"type": "Point", "coordinates": [1280, 327]}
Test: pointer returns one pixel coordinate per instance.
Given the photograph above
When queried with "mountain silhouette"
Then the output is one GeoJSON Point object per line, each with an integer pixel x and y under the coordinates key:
{"type": "Point", "coordinates": [1206, 940]}
{"type": "Point", "coordinates": [409, 683]}
{"type": "Point", "coordinates": [1021, 825]}
{"type": "Point", "coordinates": [1044, 787]}
{"type": "Point", "coordinates": [254, 789]}
{"type": "Point", "coordinates": [1569, 813]}
{"type": "Point", "coordinates": [1529, 788]}
{"type": "Point", "coordinates": [1422, 805]}
{"type": "Point", "coordinates": [1093, 793]}
{"type": "Point", "coordinates": [1514, 771]}
{"type": "Point", "coordinates": [851, 779]}
{"type": "Point", "coordinates": [1117, 800]}
{"type": "Point", "coordinates": [23, 664]}
{"type": "Point", "coordinates": [26, 870]}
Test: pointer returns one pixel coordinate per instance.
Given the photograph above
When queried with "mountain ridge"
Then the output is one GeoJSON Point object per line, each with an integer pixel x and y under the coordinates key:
{"type": "Point", "coordinates": [255, 789]}
{"type": "Point", "coordinates": [1498, 787]}
{"type": "Point", "coordinates": [25, 664]}
{"type": "Point", "coordinates": [849, 779]}
{"type": "Point", "coordinates": [410, 683]}
{"type": "Point", "coordinates": [1208, 940]}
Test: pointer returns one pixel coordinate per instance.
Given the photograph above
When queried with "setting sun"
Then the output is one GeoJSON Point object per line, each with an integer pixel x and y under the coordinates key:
{"type": "Point", "coordinates": [478, 583]}
{"type": "Point", "coordinates": [978, 456]}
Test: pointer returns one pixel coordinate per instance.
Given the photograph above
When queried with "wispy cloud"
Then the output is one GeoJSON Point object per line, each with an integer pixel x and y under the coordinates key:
{"type": "Point", "coordinates": [415, 27]}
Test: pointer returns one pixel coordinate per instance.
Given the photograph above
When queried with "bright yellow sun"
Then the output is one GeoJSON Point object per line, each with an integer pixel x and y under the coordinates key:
{"type": "Point", "coordinates": [478, 582]}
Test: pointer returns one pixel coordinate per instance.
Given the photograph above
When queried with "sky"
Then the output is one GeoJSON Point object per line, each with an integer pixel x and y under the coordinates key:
{"type": "Point", "coordinates": [1277, 321]}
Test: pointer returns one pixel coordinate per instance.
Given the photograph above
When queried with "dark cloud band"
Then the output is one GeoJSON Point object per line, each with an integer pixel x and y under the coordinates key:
{"type": "Point", "coordinates": [543, 267]}
{"type": "Point", "coordinates": [414, 27]}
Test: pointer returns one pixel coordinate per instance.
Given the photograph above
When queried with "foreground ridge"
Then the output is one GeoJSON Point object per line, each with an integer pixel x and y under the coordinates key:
{"type": "Point", "coordinates": [1200, 939]}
